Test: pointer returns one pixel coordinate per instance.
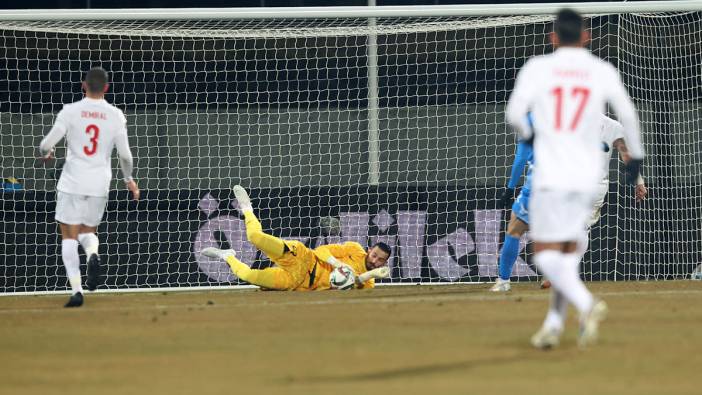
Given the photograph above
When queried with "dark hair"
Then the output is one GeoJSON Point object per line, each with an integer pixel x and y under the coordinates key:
{"type": "Point", "coordinates": [568, 26]}
{"type": "Point", "coordinates": [384, 247]}
{"type": "Point", "coordinates": [96, 80]}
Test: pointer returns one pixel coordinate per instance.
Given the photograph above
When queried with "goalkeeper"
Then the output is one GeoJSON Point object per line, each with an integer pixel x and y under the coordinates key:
{"type": "Point", "coordinates": [297, 267]}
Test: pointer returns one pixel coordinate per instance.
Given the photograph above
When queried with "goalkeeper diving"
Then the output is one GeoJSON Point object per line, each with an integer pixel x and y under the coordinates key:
{"type": "Point", "coordinates": [299, 268]}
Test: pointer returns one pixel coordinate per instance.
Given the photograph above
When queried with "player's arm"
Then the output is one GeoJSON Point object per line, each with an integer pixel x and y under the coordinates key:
{"type": "Point", "coordinates": [328, 253]}
{"type": "Point", "coordinates": [57, 132]}
{"type": "Point", "coordinates": [641, 191]}
{"type": "Point", "coordinates": [520, 101]}
{"type": "Point", "coordinates": [524, 150]}
{"type": "Point", "coordinates": [367, 279]}
{"type": "Point", "coordinates": [626, 113]}
{"type": "Point", "coordinates": [126, 163]}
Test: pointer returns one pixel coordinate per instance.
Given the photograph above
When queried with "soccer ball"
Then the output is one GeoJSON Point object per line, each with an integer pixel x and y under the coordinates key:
{"type": "Point", "coordinates": [342, 278]}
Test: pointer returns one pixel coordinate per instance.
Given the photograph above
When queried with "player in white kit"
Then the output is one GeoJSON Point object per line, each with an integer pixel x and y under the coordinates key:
{"type": "Point", "coordinates": [92, 128]}
{"type": "Point", "coordinates": [611, 137]}
{"type": "Point", "coordinates": [567, 93]}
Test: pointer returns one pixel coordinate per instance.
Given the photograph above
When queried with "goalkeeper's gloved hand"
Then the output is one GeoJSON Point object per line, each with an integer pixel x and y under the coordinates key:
{"type": "Point", "coordinates": [507, 198]}
{"type": "Point", "coordinates": [377, 273]}
{"type": "Point", "coordinates": [335, 263]}
{"type": "Point", "coordinates": [632, 169]}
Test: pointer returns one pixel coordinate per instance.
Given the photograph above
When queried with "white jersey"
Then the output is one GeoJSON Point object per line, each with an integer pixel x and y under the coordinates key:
{"type": "Point", "coordinates": [567, 92]}
{"type": "Point", "coordinates": [92, 129]}
{"type": "Point", "coordinates": [610, 131]}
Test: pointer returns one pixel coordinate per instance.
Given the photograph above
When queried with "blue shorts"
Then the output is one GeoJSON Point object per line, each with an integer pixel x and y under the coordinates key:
{"type": "Point", "coordinates": [520, 207]}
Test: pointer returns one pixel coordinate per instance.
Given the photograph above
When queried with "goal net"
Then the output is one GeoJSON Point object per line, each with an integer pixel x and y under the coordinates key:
{"type": "Point", "coordinates": [395, 126]}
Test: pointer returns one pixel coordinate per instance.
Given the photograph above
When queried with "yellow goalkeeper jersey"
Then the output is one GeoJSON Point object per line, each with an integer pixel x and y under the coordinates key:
{"type": "Point", "coordinates": [351, 253]}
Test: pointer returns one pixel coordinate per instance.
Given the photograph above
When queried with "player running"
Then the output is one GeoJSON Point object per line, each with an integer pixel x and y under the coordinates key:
{"type": "Point", "coordinates": [92, 128]}
{"type": "Point", "coordinates": [567, 92]}
{"type": "Point", "coordinates": [297, 267]}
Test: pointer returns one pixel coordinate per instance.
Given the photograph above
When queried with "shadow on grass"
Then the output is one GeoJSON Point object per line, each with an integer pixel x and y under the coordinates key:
{"type": "Point", "coordinates": [422, 370]}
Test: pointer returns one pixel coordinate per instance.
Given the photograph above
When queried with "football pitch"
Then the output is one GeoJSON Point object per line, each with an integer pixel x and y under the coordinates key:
{"type": "Point", "coordinates": [390, 340]}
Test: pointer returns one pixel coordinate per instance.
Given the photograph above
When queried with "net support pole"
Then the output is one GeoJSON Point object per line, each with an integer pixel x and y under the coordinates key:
{"type": "Point", "coordinates": [373, 122]}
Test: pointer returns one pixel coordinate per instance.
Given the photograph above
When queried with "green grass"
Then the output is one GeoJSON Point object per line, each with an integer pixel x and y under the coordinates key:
{"type": "Point", "coordinates": [391, 340]}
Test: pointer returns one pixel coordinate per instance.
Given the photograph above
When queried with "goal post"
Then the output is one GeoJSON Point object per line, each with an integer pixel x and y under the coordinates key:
{"type": "Point", "coordinates": [390, 119]}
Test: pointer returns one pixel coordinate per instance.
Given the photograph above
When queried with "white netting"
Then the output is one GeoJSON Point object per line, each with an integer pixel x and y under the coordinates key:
{"type": "Point", "coordinates": [660, 60]}
{"type": "Point", "coordinates": [281, 106]}
{"type": "Point", "coordinates": [263, 29]}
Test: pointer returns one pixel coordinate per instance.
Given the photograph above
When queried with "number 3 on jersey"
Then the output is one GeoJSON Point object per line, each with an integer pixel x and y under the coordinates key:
{"type": "Point", "coordinates": [580, 93]}
{"type": "Point", "coordinates": [94, 132]}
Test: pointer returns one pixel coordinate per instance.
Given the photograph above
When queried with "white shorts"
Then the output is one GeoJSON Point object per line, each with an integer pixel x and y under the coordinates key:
{"type": "Point", "coordinates": [597, 208]}
{"type": "Point", "coordinates": [559, 216]}
{"type": "Point", "coordinates": [79, 209]}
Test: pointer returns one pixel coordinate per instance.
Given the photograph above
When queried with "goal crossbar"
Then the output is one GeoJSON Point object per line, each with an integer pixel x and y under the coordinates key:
{"type": "Point", "coordinates": [345, 12]}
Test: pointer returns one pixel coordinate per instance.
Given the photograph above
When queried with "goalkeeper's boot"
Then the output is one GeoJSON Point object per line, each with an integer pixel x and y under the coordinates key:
{"type": "Point", "coordinates": [212, 252]}
{"type": "Point", "coordinates": [94, 275]}
{"type": "Point", "coordinates": [546, 338]}
{"type": "Point", "coordinates": [242, 197]}
{"type": "Point", "coordinates": [76, 300]}
{"type": "Point", "coordinates": [590, 323]}
{"type": "Point", "coordinates": [501, 286]}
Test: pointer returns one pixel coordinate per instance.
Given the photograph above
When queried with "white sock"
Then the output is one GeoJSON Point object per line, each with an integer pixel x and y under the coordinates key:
{"type": "Point", "coordinates": [69, 255]}
{"type": "Point", "coordinates": [557, 312]}
{"type": "Point", "coordinates": [562, 270]}
{"type": "Point", "coordinates": [90, 243]}
{"type": "Point", "coordinates": [581, 298]}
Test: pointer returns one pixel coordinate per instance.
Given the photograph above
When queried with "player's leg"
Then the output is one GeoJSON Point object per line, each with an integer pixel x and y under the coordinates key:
{"type": "Point", "coordinates": [510, 250]}
{"type": "Point", "coordinates": [554, 323]}
{"type": "Point", "coordinates": [71, 261]}
{"type": "Point", "coordinates": [271, 278]}
{"type": "Point", "coordinates": [556, 244]}
{"type": "Point", "coordinates": [69, 218]}
{"type": "Point", "coordinates": [550, 333]}
{"type": "Point", "coordinates": [582, 241]}
{"type": "Point", "coordinates": [272, 246]}
{"type": "Point", "coordinates": [90, 242]}
{"type": "Point", "coordinates": [94, 209]}
{"type": "Point", "coordinates": [584, 236]}
{"type": "Point", "coordinates": [590, 320]}
{"type": "Point", "coordinates": [559, 261]}
{"type": "Point", "coordinates": [557, 223]}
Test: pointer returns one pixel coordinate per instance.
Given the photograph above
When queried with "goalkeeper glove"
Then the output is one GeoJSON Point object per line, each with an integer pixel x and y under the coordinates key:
{"type": "Point", "coordinates": [632, 169]}
{"type": "Point", "coordinates": [507, 198]}
{"type": "Point", "coordinates": [335, 263]}
{"type": "Point", "coordinates": [378, 273]}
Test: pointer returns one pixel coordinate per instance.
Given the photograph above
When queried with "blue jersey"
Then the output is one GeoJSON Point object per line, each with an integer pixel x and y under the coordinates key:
{"type": "Point", "coordinates": [523, 157]}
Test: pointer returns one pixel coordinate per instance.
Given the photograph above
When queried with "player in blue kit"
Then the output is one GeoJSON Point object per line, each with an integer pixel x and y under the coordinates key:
{"type": "Point", "coordinates": [519, 219]}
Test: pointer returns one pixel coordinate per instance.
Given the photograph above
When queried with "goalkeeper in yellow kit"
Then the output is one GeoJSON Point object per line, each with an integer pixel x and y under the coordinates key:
{"type": "Point", "coordinates": [298, 267]}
